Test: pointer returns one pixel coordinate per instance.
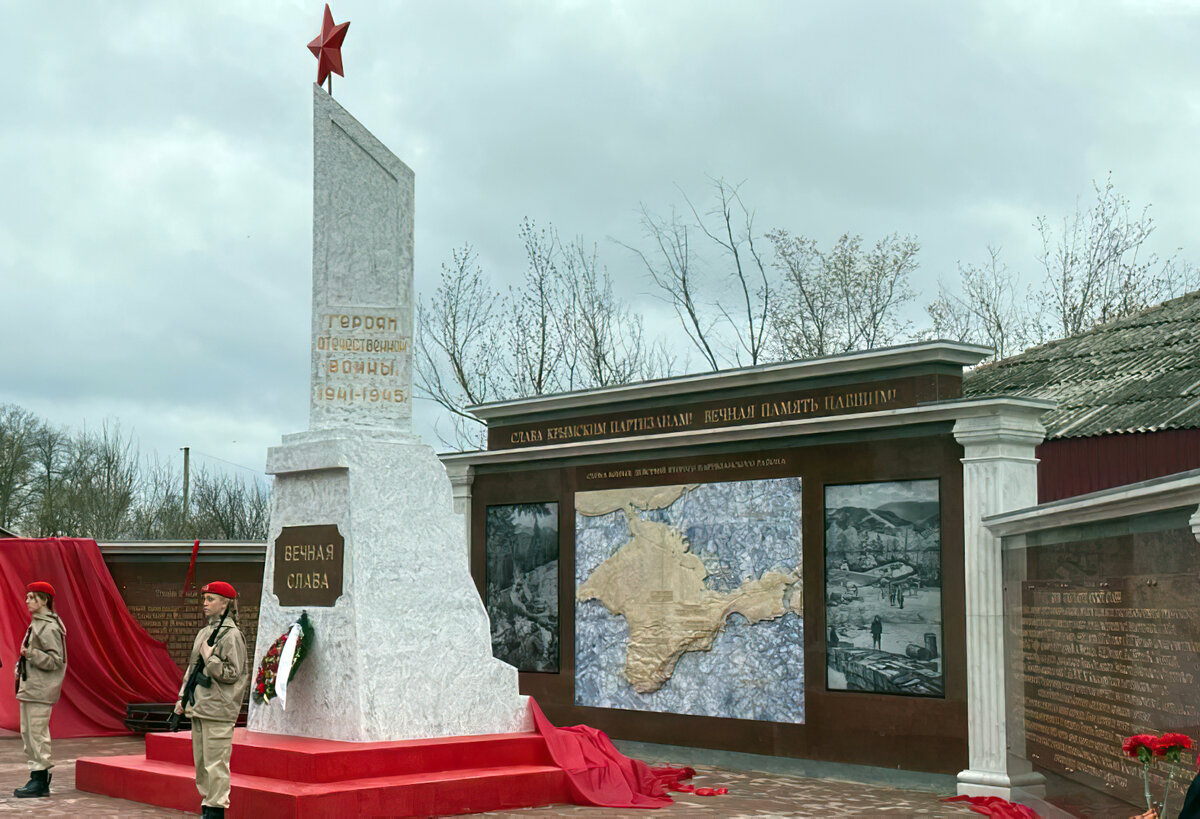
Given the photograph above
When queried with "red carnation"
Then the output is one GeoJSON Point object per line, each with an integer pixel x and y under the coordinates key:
{"type": "Point", "coordinates": [1172, 745]}
{"type": "Point", "coordinates": [1133, 745]}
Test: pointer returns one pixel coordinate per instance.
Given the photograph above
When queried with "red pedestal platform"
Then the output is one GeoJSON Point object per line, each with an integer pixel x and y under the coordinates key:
{"type": "Point", "coordinates": [281, 776]}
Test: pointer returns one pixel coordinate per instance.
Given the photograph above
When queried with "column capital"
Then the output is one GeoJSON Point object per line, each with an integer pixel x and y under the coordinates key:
{"type": "Point", "coordinates": [1194, 520]}
{"type": "Point", "coordinates": [461, 475]}
{"type": "Point", "coordinates": [1001, 424]}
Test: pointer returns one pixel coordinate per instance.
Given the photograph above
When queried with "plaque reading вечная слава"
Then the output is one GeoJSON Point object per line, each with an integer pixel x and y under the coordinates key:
{"type": "Point", "coordinates": [308, 565]}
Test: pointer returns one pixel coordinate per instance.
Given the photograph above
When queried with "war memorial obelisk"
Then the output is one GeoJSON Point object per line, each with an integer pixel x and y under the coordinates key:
{"type": "Point", "coordinates": [399, 708]}
{"type": "Point", "coordinates": [363, 535]}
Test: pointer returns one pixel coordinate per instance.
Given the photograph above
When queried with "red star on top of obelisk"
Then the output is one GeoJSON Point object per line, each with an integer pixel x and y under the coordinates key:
{"type": "Point", "coordinates": [327, 48]}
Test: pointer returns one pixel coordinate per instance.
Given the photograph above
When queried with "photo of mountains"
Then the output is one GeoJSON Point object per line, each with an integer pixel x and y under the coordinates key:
{"type": "Point", "coordinates": [883, 588]}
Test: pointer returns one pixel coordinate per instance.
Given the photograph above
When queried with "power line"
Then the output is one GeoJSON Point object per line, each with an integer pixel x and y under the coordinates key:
{"type": "Point", "coordinates": [231, 463]}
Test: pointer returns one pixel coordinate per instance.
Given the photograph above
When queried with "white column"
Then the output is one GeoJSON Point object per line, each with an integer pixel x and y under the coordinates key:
{"type": "Point", "coordinates": [999, 475]}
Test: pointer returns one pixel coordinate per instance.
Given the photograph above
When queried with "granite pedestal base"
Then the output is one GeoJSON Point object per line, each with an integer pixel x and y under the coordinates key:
{"type": "Point", "coordinates": [286, 777]}
{"type": "Point", "coordinates": [405, 652]}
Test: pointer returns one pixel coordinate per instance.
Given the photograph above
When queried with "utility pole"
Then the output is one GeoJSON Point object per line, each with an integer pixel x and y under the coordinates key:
{"type": "Point", "coordinates": [185, 482]}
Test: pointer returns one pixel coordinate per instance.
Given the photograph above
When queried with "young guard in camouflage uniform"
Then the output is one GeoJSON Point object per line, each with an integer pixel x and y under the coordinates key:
{"type": "Point", "coordinates": [218, 696]}
{"type": "Point", "coordinates": [40, 672]}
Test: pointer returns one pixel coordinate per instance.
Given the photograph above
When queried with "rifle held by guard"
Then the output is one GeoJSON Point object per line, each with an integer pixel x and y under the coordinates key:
{"type": "Point", "coordinates": [197, 677]}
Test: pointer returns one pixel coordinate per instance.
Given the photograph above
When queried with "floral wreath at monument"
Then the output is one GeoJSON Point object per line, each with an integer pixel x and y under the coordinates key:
{"type": "Point", "coordinates": [289, 651]}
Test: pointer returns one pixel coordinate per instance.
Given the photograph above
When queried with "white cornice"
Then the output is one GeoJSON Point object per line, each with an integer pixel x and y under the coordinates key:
{"type": "Point", "coordinates": [941, 412]}
{"type": "Point", "coordinates": [225, 549]}
{"type": "Point", "coordinates": [928, 352]}
{"type": "Point", "coordinates": [1146, 497]}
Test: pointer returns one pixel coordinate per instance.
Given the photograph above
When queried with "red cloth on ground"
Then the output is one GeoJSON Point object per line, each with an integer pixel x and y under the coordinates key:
{"type": "Point", "coordinates": [995, 806]}
{"type": "Point", "coordinates": [600, 774]}
{"type": "Point", "coordinates": [111, 660]}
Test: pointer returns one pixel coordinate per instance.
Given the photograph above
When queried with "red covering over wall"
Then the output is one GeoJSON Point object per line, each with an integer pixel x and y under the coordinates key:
{"type": "Point", "coordinates": [111, 660]}
{"type": "Point", "coordinates": [1076, 466]}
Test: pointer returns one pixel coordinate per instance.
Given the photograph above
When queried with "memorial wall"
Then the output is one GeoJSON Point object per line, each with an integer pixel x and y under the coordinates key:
{"type": "Point", "coordinates": [153, 592]}
{"type": "Point", "coordinates": [690, 598]}
{"type": "Point", "coordinates": [1106, 634]}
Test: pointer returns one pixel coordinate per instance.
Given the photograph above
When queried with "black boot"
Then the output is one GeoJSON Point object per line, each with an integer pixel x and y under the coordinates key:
{"type": "Point", "coordinates": [38, 785]}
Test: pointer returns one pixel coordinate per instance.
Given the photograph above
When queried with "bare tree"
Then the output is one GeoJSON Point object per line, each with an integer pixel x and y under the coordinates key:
{"type": "Point", "coordinates": [842, 299]}
{"type": "Point", "coordinates": [101, 482]}
{"type": "Point", "coordinates": [734, 234]}
{"type": "Point", "coordinates": [991, 309]}
{"type": "Point", "coordinates": [458, 359]}
{"type": "Point", "coordinates": [884, 287]}
{"type": "Point", "coordinates": [226, 507]}
{"type": "Point", "coordinates": [158, 511]}
{"type": "Point", "coordinates": [604, 341]}
{"type": "Point", "coordinates": [562, 328]}
{"type": "Point", "coordinates": [1098, 268]}
{"type": "Point", "coordinates": [535, 347]}
{"type": "Point", "coordinates": [670, 267]}
{"type": "Point", "coordinates": [19, 429]}
{"type": "Point", "coordinates": [737, 299]}
{"type": "Point", "coordinates": [47, 513]}
{"type": "Point", "coordinates": [811, 318]}
{"type": "Point", "coordinates": [95, 485]}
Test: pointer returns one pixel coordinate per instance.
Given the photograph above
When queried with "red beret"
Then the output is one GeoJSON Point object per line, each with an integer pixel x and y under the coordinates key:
{"type": "Point", "coordinates": [220, 587]}
{"type": "Point", "coordinates": [40, 586]}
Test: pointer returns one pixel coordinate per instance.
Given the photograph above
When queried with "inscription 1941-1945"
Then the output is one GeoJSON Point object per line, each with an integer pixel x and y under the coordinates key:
{"type": "Point", "coordinates": [308, 565]}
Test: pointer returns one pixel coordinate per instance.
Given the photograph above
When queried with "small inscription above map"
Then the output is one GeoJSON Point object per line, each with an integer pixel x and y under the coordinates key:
{"type": "Point", "coordinates": [689, 599]}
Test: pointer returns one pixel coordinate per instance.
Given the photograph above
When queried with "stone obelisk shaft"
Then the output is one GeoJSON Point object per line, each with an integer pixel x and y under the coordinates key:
{"type": "Point", "coordinates": [362, 311]}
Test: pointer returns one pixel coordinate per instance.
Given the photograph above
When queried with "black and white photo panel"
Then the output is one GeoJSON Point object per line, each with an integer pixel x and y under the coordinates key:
{"type": "Point", "coordinates": [522, 584]}
{"type": "Point", "coordinates": [883, 588]}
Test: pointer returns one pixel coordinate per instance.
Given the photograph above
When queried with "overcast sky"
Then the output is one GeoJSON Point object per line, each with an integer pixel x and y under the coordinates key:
{"type": "Point", "coordinates": [155, 223]}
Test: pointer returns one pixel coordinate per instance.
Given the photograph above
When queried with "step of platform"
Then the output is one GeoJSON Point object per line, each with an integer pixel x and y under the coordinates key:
{"type": "Point", "coordinates": [323, 760]}
{"type": "Point", "coordinates": [469, 783]}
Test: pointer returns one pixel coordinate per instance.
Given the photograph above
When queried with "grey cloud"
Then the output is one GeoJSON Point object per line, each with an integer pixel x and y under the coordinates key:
{"type": "Point", "coordinates": [155, 233]}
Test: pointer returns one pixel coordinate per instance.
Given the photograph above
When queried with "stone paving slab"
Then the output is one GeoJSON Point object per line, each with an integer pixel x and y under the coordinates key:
{"type": "Point", "coordinates": [751, 793]}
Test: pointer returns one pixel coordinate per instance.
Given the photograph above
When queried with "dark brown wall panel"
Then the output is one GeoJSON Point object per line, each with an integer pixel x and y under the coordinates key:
{"type": "Point", "coordinates": [151, 590]}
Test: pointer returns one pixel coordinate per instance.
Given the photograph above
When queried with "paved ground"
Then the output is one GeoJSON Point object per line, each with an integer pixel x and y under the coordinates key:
{"type": "Point", "coordinates": [760, 794]}
{"type": "Point", "coordinates": [751, 793]}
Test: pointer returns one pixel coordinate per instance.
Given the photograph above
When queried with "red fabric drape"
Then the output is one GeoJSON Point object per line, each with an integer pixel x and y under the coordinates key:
{"type": "Point", "coordinates": [111, 660]}
{"type": "Point", "coordinates": [600, 774]}
{"type": "Point", "coordinates": [996, 807]}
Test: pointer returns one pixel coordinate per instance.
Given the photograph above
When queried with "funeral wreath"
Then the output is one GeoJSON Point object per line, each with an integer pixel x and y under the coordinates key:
{"type": "Point", "coordinates": [283, 658]}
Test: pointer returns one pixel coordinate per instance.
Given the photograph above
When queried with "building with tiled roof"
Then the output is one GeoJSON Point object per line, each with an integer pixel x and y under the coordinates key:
{"type": "Point", "coordinates": [1128, 396]}
{"type": "Point", "coordinates": [5, 533]}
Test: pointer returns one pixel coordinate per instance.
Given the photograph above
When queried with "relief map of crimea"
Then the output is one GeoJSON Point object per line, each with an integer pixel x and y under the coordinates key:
{"type": "Point", "coordinates": [689, 599]}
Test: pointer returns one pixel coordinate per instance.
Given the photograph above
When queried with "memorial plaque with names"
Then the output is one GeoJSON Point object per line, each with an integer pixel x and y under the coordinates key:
{"type": "Point", "coordinates": [308, 565]}
{"type": "Point", "coordinates": [1107, 654]}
